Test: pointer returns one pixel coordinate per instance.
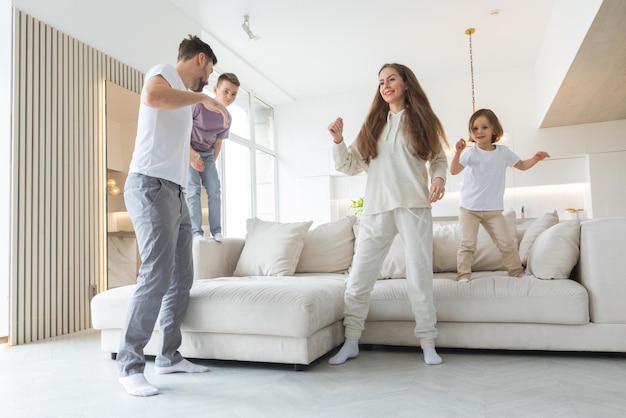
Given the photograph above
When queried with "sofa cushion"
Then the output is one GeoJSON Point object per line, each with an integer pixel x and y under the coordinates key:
{"type": "Point", "coordinates": [487, 257]}
{"type": "Point", "coordinates": [287, 306]}
{"type": "Point", "coordinates": [271, 248]}
{"type": "Point", "coordinates": [489, 297]}
{"type": "Point", "coordinates": [328, 248]}
{"type": "Point", "coordinates": [213, 259]}
{"type": "Point", "coordinates": [554, 253]}
{"type": "Point", "coordinates": [284, 306]}
{"type": "Point", "coordinates": [537, 227]}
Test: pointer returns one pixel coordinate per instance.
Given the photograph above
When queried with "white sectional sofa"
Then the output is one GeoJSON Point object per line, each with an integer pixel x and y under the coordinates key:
{"type": "Point", "coordinates": [277, 296]}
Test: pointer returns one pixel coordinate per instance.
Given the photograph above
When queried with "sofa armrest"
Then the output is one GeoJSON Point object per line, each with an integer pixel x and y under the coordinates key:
{"type": "Point", "coordinates": [213, 259]}
{"type": "Point", "coordinates": [602, 243]}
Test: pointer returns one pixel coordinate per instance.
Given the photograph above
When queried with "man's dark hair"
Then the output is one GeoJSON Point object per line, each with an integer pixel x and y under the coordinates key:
{"type": "Point", "coordinates": [192, 46]}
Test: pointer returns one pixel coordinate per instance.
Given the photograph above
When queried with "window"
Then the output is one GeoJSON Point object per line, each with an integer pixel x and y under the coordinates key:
{"type": "Point", "coordinates": [247, 163]}
{"type": "Point", "coordinates": [240, 112]}
{"type": "Point", "coordinates": [236, 188]}
{"type": "Point", "coordinates": [263, 124]}
{"type": "Point", "coordinates": [265, 186]}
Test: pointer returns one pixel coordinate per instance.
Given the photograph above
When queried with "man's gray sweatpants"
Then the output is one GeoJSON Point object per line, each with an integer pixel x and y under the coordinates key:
{"type": "Point", "coordinates": [160, 217]}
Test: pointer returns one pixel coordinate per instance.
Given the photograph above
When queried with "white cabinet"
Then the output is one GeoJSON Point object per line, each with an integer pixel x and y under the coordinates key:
{"type": "Point", "coordinates": [554, 171]}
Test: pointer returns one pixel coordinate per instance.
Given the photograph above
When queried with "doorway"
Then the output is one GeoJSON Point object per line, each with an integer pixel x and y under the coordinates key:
{"type": "Point", "coordinates": [122, 109]}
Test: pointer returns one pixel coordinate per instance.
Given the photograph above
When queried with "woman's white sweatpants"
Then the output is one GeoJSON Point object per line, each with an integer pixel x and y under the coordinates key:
{"type": "Point", "coordinates": [376, 233]}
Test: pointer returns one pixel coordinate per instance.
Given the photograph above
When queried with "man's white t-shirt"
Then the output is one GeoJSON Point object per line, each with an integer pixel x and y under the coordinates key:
{"type": "Point", "coordinates": [162, 142]}
{"type": "Point", "coordinates": [484, 177]}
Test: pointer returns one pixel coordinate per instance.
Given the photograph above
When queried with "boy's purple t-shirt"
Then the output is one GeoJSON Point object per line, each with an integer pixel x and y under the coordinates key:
{"type": "Point", "coordinates": [207, 127]}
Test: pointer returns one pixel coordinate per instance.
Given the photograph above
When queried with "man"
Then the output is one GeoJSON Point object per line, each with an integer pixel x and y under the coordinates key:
{"type": "Point", "coordinates": [156, 204]}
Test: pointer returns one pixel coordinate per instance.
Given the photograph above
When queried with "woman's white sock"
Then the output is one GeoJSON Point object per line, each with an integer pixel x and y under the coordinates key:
{"type": "Point", "coordinates": [431, 356]}
{"type": "Point", "coordinates": [350, 349]}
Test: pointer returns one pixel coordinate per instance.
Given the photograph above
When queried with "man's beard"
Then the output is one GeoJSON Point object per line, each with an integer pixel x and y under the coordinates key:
{"type": "Point", "coordinates": [200, 86]}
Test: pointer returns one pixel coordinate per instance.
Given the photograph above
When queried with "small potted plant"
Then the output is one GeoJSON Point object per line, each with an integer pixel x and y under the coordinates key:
{"type": "Point", "coordinates": [356, 206]}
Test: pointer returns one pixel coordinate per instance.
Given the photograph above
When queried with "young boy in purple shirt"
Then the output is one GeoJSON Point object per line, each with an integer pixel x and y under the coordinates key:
{"type": "Point", "coordinates": [206, 142]}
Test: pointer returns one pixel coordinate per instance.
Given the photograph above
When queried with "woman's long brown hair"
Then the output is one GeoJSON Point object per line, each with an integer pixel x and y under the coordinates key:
{"type": "Point", "coordinates": [422, 128]}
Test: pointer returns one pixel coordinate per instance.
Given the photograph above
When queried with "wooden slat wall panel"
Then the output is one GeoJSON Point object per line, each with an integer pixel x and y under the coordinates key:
{"type": "Point", "coordinates": [59, 175]}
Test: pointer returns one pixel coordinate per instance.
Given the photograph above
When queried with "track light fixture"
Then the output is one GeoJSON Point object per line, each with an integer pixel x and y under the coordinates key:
{"type": "Point", "coordinates": [247, 30]}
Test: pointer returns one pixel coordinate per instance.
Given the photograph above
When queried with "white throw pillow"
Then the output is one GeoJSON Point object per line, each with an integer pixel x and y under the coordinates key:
{"type": "Point", "coordinates": [537, 227]}
{"type": "Point", "coordinates": [394, 264]}
{"type": "Point", "coordinates": [446, 240]}
{"type": "Point", "coordinates": [487, 257]}
{"type": "Point", "coordinates": [555, 251]}
{"type": "Point", "coordinates": [328, 248]}
{"type": "Point", "coordinates": [271, 248]}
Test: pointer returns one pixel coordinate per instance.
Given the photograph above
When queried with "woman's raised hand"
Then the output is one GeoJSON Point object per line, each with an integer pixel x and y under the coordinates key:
{"type": "Point", "coordinates": [336, 130]}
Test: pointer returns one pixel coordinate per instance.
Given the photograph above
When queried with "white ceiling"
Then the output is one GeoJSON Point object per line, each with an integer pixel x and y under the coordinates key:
{"type": "Point", "coordinates": [326, 47]}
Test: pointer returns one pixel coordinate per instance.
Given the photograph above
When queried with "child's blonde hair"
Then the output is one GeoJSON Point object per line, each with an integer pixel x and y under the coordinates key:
{"type": "Point", "coordinates": [498, 132]}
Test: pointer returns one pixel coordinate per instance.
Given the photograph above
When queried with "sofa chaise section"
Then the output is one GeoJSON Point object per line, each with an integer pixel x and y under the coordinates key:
{"type": "Point", "coordinates": [290, 320]}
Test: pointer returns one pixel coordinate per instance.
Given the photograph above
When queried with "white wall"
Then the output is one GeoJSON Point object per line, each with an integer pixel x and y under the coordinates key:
{"type": "Point", "coordinates": [579, 174]}
{"type": "Point", "coordinates": [5, 161]}
{"type": "Point", "coordinates": [304, 151]}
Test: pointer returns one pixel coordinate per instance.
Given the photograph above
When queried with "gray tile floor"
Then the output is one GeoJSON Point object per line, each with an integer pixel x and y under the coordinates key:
{"type": "Point", "coordinates": [69, 377]}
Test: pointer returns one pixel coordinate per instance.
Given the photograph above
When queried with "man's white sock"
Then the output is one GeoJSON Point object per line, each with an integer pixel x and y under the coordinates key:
{"type": "Point", "coordinates": [431, 356]}
{"type": "Point", "coordinates": [350, 349]}
{"type": "Point", "coordinates": [184, 366]}
{"type": "Point", "coordinates": [137, 385]}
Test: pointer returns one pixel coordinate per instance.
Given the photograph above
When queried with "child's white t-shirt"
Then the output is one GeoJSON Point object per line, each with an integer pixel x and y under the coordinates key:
{"type": "Point", "coordinates": [162, 142]}
{"type": "Point", "coordinates": [485, 177]}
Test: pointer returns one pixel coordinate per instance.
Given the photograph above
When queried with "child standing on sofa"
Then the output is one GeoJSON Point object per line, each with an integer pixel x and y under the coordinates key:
{"type": "Point", "coordinates": [400, 143]}
{"type": "Point", "coordinates": [206, 142]}
{"type": "Point", "coordinates": [482, 192]}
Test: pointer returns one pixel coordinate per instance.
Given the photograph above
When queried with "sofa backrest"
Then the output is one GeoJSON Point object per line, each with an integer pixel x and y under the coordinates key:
{"type": "Point", "coordinates": [601, 268]}
{"type": "Point", "coordinates": [212, 259]}
{"type": "Point", "coordinates": [487, 257]}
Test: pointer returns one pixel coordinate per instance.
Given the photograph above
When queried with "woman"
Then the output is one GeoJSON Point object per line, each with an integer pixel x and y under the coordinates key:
{"type": "Point", "coordinates": [399, 144]}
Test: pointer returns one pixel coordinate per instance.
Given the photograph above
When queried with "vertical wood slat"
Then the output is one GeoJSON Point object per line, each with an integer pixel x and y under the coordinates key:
{"type": "Point", "coordinates": [65, 121]}
{"type": "Point", "coordinates": [70, 187]}
{"type": "Point", "coordinates": [59, 178]}
{"type": "Point", "coordinates": [55, 268]}
{"type": "Point", "coordinates": [28, 204]}
{"type": "Point", "coordinates": [48, 207]}
{"type": "Point", "coordinates": [38, 186]}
